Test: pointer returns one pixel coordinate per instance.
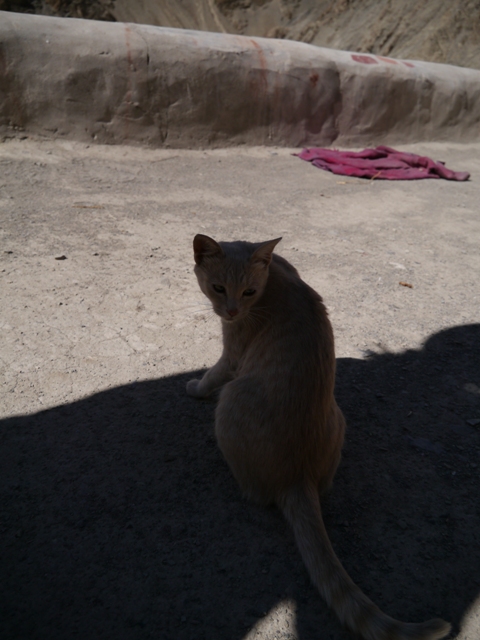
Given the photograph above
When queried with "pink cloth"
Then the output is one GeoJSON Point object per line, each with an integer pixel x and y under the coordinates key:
{"type": "Point", "coordinates": [381, 163]}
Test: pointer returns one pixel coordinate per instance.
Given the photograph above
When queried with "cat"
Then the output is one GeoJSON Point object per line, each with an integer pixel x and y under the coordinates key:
{"type": "Point", "coordinates": [277, 422]}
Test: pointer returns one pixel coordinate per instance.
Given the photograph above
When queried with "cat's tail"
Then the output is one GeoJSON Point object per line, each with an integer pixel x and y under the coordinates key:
{"type": "Point", "coordinates": [301, 507]}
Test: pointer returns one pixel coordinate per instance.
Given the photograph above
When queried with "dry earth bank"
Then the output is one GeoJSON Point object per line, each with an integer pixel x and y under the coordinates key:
{"type": "Point", "coordinates": [138, 84]}
{"type": "Point", "coordinates": [436, 31]}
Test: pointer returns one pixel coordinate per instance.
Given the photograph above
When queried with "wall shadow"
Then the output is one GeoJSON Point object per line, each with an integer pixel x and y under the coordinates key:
{"type": "Point", "coordinates": [120, 519]}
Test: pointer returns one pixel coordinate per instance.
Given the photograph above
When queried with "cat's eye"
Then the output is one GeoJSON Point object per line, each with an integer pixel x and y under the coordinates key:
{"type": "Point", "coordinates": [249, 292]}
{"type": "Point", "coordinates": [218, 288]}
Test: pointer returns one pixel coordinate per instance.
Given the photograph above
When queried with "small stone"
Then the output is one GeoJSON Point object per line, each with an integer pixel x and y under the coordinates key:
{"type": "Point", "coordinates": [426, 445]}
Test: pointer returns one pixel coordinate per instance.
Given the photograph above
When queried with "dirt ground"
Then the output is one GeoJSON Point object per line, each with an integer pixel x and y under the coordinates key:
{"type": "Point", "coordinates": [119, 518]}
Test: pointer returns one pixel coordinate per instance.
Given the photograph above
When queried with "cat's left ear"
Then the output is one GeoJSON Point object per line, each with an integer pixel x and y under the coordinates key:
{"type": "Point", "coordinates": [263, 253]}
{"type": "Point", "coordinates": [205, 247]}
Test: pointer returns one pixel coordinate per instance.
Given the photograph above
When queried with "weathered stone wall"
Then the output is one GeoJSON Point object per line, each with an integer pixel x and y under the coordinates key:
{"type": "Point", "coordinates": [125, 83]}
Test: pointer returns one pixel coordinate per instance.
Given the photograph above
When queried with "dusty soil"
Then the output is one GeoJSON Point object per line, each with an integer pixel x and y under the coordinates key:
{"type": "Point", "coordinates": [119, 518]}
{"type": "Point", "coordinates": [436, 31]}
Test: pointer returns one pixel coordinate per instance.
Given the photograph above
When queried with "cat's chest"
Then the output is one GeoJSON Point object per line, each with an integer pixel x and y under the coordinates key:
{"type": "Point", "coordinates": [236, 342]}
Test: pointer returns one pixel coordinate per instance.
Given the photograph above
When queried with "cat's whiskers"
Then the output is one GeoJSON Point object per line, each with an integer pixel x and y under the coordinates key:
{"type": "Point", "coordinates": [258, 312]}
{"type": "Point", "coordinates": [197, 302]}
{"type": "Point", "coordinates": [196, 305]}
{"type": "Point", "coordinates": [255, 318]}
{"type": "Point", "coordinates": [207, 313]}
{"type": "Point", "coordinates": [200, 310]}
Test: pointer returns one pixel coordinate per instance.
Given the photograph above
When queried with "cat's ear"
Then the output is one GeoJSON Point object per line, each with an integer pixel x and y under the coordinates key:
{"type": "Point", "coordinates": [205, 247]}
{"type": "Point", "coordinates": [263, 253]}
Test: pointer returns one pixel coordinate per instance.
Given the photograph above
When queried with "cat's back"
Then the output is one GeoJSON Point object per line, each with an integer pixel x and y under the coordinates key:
{"type": "Point", "coordinates": [287, 374]}
{"type": "Point", "coordinates": [283, 266]}
{"type": "Point", "coordinates": [297, 338]}
{"type": "Point", "coordinates": [294, 303]}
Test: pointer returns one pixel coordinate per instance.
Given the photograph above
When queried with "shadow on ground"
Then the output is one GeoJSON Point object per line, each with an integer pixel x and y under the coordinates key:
{"type": "Point", "coordinates": [120, 519]}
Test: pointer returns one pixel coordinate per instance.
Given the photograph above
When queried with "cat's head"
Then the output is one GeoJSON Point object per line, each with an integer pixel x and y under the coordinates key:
{"type": "Point", "coordinates": [232, 275]}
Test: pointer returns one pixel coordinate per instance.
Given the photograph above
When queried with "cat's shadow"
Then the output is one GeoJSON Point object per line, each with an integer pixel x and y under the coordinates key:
{"type": "Point", "coordinates": [120, 519]}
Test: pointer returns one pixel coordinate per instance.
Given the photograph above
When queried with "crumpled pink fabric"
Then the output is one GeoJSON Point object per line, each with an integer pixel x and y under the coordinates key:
{"type": "Point", "coordinates": [381, 163]}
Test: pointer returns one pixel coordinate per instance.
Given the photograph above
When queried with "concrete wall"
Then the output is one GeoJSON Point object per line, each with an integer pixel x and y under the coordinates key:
{"type": "Point", "coordinates": [126, 83]}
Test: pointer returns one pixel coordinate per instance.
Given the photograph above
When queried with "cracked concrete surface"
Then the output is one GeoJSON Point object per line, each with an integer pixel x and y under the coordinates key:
{"type": "Point", "coordinates": [102, 323]}
{"type": "Point", "coordinates": [121, 306]}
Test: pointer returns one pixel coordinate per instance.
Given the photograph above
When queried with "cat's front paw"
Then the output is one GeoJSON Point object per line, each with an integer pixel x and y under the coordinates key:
{"type": "Point", "coordinates": [193, 388]}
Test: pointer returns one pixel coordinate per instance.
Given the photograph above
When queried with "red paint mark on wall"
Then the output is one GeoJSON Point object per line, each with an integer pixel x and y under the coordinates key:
{"type": "Point", "coordinates": [389, 60]}
{"type": "Point", "coordinates": [261, 55]}
{"type": "Point", "coordinates": [259, 85]}
{"type": "Point", "coordinates": [363, 59]}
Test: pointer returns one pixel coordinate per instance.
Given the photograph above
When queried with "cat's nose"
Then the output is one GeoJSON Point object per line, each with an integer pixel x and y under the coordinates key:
{"type": "Point", "coordinates": [232, 312]}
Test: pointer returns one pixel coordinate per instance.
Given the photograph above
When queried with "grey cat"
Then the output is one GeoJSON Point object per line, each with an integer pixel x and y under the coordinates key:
{"type": "Point", "coordinates": [277, 422]}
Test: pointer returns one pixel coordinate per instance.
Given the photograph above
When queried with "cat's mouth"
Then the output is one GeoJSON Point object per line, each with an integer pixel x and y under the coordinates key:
{"type": "Point", "coordinates": [228, 318]}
